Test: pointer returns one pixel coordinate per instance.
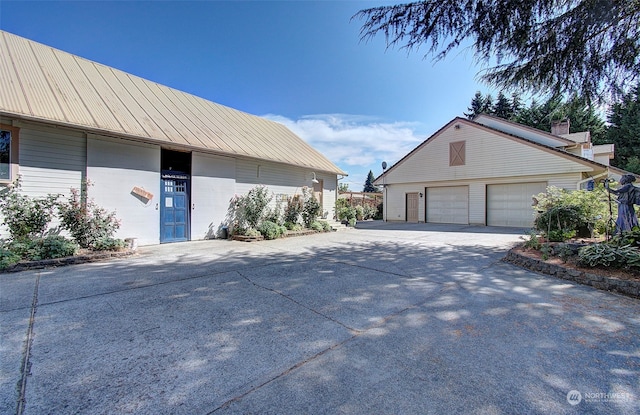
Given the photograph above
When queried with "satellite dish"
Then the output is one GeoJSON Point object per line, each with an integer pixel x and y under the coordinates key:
{"type": "Point", "coordinates": [384, 165]}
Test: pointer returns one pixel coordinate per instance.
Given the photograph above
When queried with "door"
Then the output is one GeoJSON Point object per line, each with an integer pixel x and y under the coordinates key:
{"type": "Point", "coordinates": [174, 207]}
{"type": "Point", "coordinates": [448, 204]}
{"type": "Point", "coordinates": [511, 204]}
{"type": "Point", "coordinates": [412, 207]}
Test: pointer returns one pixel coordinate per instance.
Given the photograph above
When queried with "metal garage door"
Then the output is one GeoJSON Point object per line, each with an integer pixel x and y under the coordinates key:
{"type": "Point", "coordinates": [510, 204]}
{"type": "Point", "coordinates": [448, 204]}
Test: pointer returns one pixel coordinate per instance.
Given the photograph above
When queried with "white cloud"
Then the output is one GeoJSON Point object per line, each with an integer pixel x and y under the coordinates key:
{"type": "Point", "coordinates": [355, 143]}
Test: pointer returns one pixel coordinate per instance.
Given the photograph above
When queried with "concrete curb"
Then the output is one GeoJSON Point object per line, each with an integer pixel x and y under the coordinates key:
{"type": "Point", "coordinates": [59, 262]}
{"type": "Point", "coordinates": [624, 287]}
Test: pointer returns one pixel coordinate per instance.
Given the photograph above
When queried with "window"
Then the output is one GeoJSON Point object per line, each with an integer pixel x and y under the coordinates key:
{"type": "Point", "coordinates": [457, 153]}
{"type": "Point", "coordinates": [5, 155]}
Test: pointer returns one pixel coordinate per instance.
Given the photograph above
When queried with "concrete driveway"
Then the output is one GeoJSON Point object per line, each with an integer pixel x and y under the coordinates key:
{"type": "Point", "coordinates": [385, 319]}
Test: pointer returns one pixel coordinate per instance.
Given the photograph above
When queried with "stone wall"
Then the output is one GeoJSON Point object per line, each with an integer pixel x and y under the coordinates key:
{"type": "Point", "coordinates": [625, 287]}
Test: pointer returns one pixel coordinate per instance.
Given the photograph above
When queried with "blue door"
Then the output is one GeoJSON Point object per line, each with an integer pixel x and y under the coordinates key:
{"type": "Point", "coordinates": [174, 207]}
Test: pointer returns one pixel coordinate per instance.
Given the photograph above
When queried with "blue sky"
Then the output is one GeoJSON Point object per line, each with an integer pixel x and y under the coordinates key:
{"type": "Point", "coordinates": [297, 62]}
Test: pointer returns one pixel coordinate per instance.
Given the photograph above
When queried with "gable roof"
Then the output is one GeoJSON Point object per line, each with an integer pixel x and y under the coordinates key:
{"type": "Point", "coordinates": [40, 83]}
{"type": "Point", "coordinates": [524, 131]}
{"type": "Point", "coordinates": [511, 136]}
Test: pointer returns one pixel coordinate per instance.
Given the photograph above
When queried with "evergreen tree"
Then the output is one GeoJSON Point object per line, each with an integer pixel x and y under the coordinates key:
{"type": "Point", "coordinates": [368, 185]}
{"type": "Point", "coordinates": [477, 106]}
{"type": "Point", "coordinates": [516, 105]}
{"type": "Point", "coordinates": [587, 47]}
{"type": "Point", "coordinates": [624, 131]}
{"type": "Point", "coordinates": [502, 108]}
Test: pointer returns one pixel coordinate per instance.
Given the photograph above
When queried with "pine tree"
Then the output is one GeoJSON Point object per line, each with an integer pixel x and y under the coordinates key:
{"type": "Point", "coordinates": [624, 131]}
{"type": "Point", "coordinates": [502, 108]}
{"type": "Point", "coordinates": [477, 106]}
{"type": "Point", "coordinates": [587, 47]}
{"type": "Point", "coordinates": [368, 185]}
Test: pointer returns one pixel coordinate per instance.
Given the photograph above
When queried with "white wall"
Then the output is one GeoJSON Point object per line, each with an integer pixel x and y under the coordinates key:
{"type": "Point", "coordinates": [284, 179]}
{"type": "Point", "coordinates": [213, 185]}
{"type": "Point", "coordinates": [115, 167]}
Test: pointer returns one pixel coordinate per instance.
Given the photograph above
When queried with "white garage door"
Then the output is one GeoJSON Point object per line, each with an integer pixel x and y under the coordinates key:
{"type": "Point", "coordinates": [510, 204]}
{"type": "Point", "coordinates": [448, 204]}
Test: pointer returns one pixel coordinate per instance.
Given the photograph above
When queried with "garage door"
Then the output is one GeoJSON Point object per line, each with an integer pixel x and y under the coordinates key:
{"type": "Point", "coordinates": [510, 204]}
{"type": "Point", "coordinates": [448, 204]}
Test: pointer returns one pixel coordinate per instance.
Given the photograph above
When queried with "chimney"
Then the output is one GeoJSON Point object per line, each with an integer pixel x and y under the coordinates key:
{"type": "Point", "coordinates": [560, 127]}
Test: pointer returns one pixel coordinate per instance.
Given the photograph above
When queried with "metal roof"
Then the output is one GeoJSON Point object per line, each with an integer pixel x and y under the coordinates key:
{"type": "Point", "coordinates": [41, 83]}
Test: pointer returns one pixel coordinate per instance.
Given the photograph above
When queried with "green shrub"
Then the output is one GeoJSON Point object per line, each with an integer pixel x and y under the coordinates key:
{"type": "Point", "coordinates": [631, 237]}
{"type": "Point", "coordinates": [85, 221]}
{"type": "Point", "coordinates": [325, 226]}
{"type": "Point", "coordinates": [8, 258]}
{"type": "Point", "coordinates": [311, 207]}
{"type": "Point", "coordinates": [24, 216]}
{"type": "Point", "coordinates": [559, 222]}
{"type": "Point", "coordinates": [293, 209]}
{"type": "Point", "coordinates": [607, 255]}
{"type": "Point", "coordinates": [43, 248]}
{"type": "Point", "coordinates": [352, 222]}
{"type": "Point", "coordinates": [345, 214]}
{"type": "Point", "coordinates": [359, 212]}
{"type": "Point", "coordinates": [270, 230]}
{"type": "Point", "coordinates": [251, 232]}
{"type": "Point", "coordinates": [579, 210]}
{"type": "Point", "coordinates": [533, 242]}
{"type": "Point", "coordinates": [58, 247]}
{"type": "Point", "coordinates": [293, 226]}
{"type": "Point", "coordinates": [109, 244]}
{"type": "Point", "coordinates": [316, 226]}
{"type": "Point", "coordinates": [248, 211]}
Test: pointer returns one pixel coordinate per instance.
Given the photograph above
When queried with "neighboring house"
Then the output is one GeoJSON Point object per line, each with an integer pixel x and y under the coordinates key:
{"type": "Point", "coordinates": [485, 172]}
{"type": "Point", "coordinates": [166, 161]}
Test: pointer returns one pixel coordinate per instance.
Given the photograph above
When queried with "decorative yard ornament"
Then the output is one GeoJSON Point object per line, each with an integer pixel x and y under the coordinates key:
{"type": "Point", "coordinates": [628, 195]}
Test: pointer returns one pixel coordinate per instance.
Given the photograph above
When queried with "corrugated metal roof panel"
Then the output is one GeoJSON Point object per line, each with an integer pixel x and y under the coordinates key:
{"type": "Point", "coordinates": [45, 83]}
{"type": "Point", "coordinates": [11, 93]}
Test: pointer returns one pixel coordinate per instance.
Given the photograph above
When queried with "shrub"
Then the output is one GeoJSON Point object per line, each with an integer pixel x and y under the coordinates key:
{"type": "Point", "coordinates": [607, 255]}
{"type": "Point", "coordinates": [8, 258]}
{"type": "Point", "coordinates": [359, 212]}
{"type": "Point", "coordinates": [24, 216]}
{"type": "Point", "coordinates": [559, 222]}
{"type": "Point", "coordinates": [58, 247]}
{"type": "Point", "coordinates": [43, 248]}
{"type": "Point", "coordinates": [316, 226]}
{"type": "Point", "coordinates": [86, 221]}
{"type": "Point", "coordinates": [293, 209]}
{"type": "Point", "coordinates": [345, 214]}
{"type": "Point", "coordinates": [248, 211]}
{"type": "Point", "coordinates": [587, 211]}
{"type": "Point", "coordinates": [311, 207]}
{"type": "Point", "coordinates": [352, 222]}
{"type": "Point", "coordinates": [252, 232]}
{"type": "Point", "coordinates": [631, 237]}
{"type": "Point", "coordinates": [325, 226]}
{"type": "Point", "coordinates": [270, 230]}
{"type": "Point", "coordinates": [293, 226]}
{"type": "Point", "coordinates": [109, 244]}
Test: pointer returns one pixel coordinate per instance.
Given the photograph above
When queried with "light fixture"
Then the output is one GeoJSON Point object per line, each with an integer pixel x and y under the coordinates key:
{"type": "Point", "coordinates": [314, 180]}
{"type": "Point", "coordinates": [420, 194]}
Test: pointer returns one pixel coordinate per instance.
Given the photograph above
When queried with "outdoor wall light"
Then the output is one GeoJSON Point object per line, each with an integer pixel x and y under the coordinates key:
{"type": "Point", "coordinates": [420, 194]}
{"type": "Point", "coordinates": [314, 180]}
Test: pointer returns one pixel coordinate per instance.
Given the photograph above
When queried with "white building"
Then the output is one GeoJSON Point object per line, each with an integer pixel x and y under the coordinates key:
{"type": "Point", "coordinates": [166, 161]}
{"type": "Point", "coordinates": [485, 172]}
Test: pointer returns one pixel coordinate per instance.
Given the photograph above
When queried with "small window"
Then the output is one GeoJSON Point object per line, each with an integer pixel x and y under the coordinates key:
{"type": "Point", "coordinates": [457, 153]}
{"type": "Point", "coordinates": [5, 155]}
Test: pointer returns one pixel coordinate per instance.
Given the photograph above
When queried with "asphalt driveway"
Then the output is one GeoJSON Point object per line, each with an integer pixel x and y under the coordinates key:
{"type": "Point", "coordinates": [385, 319]}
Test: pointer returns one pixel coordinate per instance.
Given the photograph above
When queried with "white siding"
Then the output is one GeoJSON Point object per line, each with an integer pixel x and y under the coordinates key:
{"type": "Point", "coordinates": [488, 155]}
{"type": "Point", "coordinates": [115, 167]}
{"type": "Point", "coordinates": [51, 160]}
{"type": "Point", "coordinates": [284, 179]}
{"type": "Point", "coordinates": [213, 185]}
